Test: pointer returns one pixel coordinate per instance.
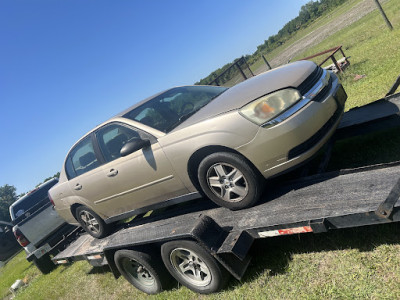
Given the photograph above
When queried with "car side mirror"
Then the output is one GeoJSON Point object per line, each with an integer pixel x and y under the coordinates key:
{"type": "Point", "coordinates": [133, 146]}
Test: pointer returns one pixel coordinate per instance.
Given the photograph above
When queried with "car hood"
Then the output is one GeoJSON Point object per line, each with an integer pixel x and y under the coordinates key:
{"type": "Point", "coordinates": [290, 75]}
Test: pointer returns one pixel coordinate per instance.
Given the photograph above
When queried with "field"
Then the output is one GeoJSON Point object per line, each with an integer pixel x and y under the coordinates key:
{"type": "Point", "coordinates": [360, 263]}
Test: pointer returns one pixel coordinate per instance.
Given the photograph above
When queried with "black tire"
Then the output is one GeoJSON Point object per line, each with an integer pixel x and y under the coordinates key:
{"type": "Point", "coordinates": [221, 186]}
{"type": "Point", "coordinates": [91, 222]}
{"type": "Point", "coordinates": [44, 264]}
{"type": "Point", "coordinates": [143, 270]}
{"type": "Point", "coordinates": [210, 278]}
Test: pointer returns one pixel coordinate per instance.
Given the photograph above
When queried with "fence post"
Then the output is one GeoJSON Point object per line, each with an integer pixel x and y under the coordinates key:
{"type": "Point", "coordinates": [241, 71]}
{"type": "Point", "coordinates": [384, 15]}
{"type": "Point", "coordinates": [248, 67]}
{"type": "Point", "coordinates": [266, 61]}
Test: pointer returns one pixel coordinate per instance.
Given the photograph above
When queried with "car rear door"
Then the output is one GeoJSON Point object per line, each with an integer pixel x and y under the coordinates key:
{"type": "Point", "coordinates": [85, 174]}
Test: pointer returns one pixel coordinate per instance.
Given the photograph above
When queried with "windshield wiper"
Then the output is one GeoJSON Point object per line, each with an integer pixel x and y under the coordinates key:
{"type": "Point", "coordinates": [186, 116]}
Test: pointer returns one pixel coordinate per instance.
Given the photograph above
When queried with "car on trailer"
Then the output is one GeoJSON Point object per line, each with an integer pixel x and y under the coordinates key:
{"type": "Point", "coordinates": [199, 140]}
{"type": "Point", "coordinates": [202, 246]}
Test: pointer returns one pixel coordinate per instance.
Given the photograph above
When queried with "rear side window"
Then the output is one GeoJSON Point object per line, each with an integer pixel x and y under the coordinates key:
{"type": "Point", "coordinates": [81, 159]}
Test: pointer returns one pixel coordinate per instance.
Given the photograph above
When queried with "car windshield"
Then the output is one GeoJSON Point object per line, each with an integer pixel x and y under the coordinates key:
{"type": "Point", "coordinates": [167, 110]}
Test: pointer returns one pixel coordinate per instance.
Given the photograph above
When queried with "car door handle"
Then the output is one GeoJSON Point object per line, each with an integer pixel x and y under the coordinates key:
{"type": "Point", "coordinates": [112, 173]}
{"type": "Point", "coordinates": [78, 187]}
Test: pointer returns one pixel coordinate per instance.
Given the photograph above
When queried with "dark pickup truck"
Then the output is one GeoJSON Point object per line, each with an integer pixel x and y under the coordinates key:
{"type": "Point", "coordinates": [37, 226]}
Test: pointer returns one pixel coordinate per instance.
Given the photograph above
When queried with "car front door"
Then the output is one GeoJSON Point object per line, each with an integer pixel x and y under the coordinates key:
{"type": "Point", "coordinates": [140, 179]}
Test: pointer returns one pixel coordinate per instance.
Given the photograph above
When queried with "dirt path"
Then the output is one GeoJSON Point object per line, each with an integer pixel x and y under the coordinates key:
{"type": "Point", "coordinates": [321, 33]}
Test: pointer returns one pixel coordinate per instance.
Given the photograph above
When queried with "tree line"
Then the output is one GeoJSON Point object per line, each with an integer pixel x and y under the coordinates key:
{"type": "Point", "coordinates": [307, 14]}
{"type": "Point", "coordinates": [8, 195]}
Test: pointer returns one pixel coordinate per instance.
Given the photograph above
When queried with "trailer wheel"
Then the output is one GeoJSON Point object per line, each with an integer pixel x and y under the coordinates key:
{"type": "Point", "coordinates": [44, 264]}
{"type": "Point", "coordinates": [229, 180]}
{"type": "Point", "coordinates": [194, 267]}
{"type": "Point", "coordinates": [91, 222]}
{"type": "Point", "coordinates": [143, 271]}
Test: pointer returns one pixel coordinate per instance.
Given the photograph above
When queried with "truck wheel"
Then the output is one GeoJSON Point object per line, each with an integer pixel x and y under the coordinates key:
{"type": "Point", "coordinates": [91, 222]}
{"type": "Point", "coordinates": [44, 264]}
{"type": "Point", "coordinates": [194, 267]}
{"type": "Point", "coordinates": [229, 181]}
{"type": "Point", "coordinates": [143, 271]}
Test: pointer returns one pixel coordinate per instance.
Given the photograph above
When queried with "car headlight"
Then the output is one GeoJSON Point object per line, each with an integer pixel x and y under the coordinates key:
{"type": "Point", "coordinates": [270, 106]}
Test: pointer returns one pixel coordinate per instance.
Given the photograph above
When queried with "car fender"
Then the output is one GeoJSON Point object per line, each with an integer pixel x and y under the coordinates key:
{"type": "Point", "coordinates": [180, 145]}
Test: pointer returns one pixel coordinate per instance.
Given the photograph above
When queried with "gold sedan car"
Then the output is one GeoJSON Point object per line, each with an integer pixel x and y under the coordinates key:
{"type": "Point", "coordinates": [195, 141]}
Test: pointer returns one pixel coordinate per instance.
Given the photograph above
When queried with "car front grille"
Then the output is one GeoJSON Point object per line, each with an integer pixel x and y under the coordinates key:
{"type": "Point", "coordinates": [312, 141]}
{"type": "Point", "coordinates": [324, 92]}
{"type": "Point", "coordinates": [317, 79]}
{"type": "Point", "coordinates": [311, 80]}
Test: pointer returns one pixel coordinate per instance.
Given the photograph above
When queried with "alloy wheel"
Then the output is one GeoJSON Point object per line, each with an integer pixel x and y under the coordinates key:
{"type": "Point", "coordinates": [190, 266]}
{"type": "Point", "coordinates": [138, 272]}
{"type": "Point", "coordinates": [227, 182]}
{"type": "Point", "coordinates": [90, 221]}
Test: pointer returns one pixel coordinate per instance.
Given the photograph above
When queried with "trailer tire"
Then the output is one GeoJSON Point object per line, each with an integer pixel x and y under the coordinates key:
{"type": "Point", "coordinates": [229, 180]}
{"type": "Point", "coordinates": [194, 267]}
{"type": "Point", "coordinates": [143, 270]}
{"type": "Point", "coordinates": [44, 264]}
{"type": "Point", "coordinates": [91, 222]}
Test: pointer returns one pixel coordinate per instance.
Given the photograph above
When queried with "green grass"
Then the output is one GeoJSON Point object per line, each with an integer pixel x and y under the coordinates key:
{"type": "Point", "coordinates": [16, 268]}
{"type": "Point", "coordinates": [374, 52]}
{"type": "Point", "coordinates": [358, 263]}
{"type": "Point", "coordinates": [310, 28]}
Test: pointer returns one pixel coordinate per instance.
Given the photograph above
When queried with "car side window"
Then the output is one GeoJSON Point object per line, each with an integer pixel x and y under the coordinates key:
{"type": "Point", "coordinates": [113, 137]}
{"type": "Point", "coordinates": [81, 159]}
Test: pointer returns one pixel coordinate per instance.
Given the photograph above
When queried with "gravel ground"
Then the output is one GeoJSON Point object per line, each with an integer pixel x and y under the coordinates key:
{"type": "Point", "coordinates": [355, 13]}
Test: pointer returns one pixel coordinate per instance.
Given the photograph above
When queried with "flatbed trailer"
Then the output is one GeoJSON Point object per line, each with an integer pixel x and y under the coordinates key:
{"type": "Point", "coordinates": [201, 233]}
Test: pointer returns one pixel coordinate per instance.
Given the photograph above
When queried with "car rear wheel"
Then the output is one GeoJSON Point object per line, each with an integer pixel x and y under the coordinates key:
{"type": "Point", "coordinates": [91, 222]}
{"type": "Point", "coordinates": [144, 271]}
{"type": "Point", "coordinates": [229, 180]}
{"type": "Point", "coordinates": [194, 267]}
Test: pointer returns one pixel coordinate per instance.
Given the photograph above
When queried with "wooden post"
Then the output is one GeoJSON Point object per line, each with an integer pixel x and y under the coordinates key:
{"type": "Point", "coordinates": [240, 70]}
{"type": "Point", "coordinates": [266, 62]}
{"type": "Point", "coordinates": [248, 67]}
{"type": "Point", "coordinates": [384, 15]}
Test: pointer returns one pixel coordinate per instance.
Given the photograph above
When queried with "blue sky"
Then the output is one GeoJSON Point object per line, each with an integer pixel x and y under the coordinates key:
{"type": "Point", "coordinates": [66, 66]}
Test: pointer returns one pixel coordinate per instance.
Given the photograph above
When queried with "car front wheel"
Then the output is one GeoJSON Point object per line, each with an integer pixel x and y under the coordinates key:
{"type": "Point", "coordinates": [229, 180]}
